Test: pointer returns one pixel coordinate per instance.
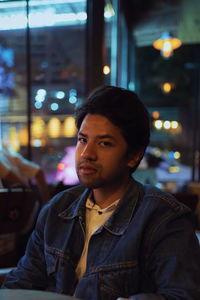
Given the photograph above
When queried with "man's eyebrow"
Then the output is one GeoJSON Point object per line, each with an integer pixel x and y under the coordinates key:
{"type": "Point", "coordinates": [103, 136]}
{"type": "Point", "coordinates": [82, 134]}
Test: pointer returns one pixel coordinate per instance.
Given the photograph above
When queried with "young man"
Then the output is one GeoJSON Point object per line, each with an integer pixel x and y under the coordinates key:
{"type": "Point", "coordinates": [111, 237]}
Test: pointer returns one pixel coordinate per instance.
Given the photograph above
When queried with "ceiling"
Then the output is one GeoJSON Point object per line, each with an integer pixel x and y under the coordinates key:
{"type": "Point", "coordinates": [149, 19]}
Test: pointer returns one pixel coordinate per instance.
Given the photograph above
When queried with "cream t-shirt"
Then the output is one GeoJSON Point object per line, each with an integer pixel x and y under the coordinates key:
{"type": "Point", "coordinates": [95, 218]}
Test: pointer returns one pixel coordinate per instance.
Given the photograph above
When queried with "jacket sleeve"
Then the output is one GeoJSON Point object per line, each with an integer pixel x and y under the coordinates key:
{"type": "Point", "coordinates": [172, 260]}
{"type": "Point", "coordinates": [31, 269]}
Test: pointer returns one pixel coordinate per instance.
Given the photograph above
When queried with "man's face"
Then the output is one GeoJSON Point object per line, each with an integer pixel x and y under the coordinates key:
{"type": "Point", "coordinates": [101, 153]}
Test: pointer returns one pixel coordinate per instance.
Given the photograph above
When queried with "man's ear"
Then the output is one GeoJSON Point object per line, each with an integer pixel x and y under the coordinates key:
{"type": "Point", "coordinates": [134, 158]}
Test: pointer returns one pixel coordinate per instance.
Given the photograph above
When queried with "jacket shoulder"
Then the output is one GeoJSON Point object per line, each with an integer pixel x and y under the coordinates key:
{"type": "Point", "coordinates": [165, 199]}
{"type": "Point", "coordinates": [63, 200]}
{"type": "Point", "coordinates": [68, 196]}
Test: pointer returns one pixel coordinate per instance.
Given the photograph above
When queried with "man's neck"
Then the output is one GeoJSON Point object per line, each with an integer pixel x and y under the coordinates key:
{"type": "Point", "coordinates": [106, 196]}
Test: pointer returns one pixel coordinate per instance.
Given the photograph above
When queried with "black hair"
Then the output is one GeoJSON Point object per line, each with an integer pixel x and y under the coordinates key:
{"type": "Point", "coordinates": [124, 109]}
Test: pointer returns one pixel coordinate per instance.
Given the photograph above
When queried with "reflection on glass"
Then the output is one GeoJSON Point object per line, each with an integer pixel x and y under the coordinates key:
{"type": "Point", "coordinates": [57, 48]}
{"type": "Point", "coordinates": [12, 93]}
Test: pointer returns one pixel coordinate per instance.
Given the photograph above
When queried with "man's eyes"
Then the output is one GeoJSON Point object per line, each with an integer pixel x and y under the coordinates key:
{"type": "Point", "coordinates": [82, 140]}
{"type": "Point", "coordinates": [106, 144]}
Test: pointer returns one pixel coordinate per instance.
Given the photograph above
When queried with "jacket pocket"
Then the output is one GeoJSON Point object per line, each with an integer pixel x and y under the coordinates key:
{"type": "Point", "coordinates": [119, 280]}
{"type": "Point", "coordinates": [61, 270]}
{"type": "Point", "coordinates": [51, 260]}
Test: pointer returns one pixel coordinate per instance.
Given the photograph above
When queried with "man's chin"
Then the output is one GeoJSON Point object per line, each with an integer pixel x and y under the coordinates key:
{"type": "Point", "coordinates": [90, 184]}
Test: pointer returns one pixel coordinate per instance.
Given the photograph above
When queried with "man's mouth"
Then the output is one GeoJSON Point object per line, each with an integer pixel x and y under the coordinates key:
{"type": "Point", "coordinates": [86, 169]}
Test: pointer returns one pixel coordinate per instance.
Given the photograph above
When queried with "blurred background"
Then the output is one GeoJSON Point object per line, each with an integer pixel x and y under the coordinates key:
{"type": "Point", "coordinates": [54, 52]}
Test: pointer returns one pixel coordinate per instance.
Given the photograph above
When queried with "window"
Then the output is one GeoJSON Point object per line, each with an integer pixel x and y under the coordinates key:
{"type": "Point", "coordinates": [42, 64]}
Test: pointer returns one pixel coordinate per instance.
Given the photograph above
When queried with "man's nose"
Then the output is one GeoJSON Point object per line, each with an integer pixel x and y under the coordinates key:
{"type": "Point", "coordinates": [89, 152]}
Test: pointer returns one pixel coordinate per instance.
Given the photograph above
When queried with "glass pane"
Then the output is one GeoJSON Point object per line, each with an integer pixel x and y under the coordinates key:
{"type": "Point", "coordinates": [169, 88]}
{"type": "Point", "coordinates": [116, 41]}
{"type": "Point", "coordinates": [13, 79]}
{"type": "Point", "coordinates": [111, 36]}
{"type": "Point", "coordinates": [57, 30]}
{"type": "Point", "coordinates": [42, 68]}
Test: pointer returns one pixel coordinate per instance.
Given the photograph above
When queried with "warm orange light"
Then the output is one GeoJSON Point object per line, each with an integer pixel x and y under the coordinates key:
{"type": "Point", "coordinates": [166, 87]}
{"type": "Point", "coordinates": [54, 128]}
{"type": "Point", "coordinates": [14, 142]}
{"type": "Point", "coordinates": [23, 136]}
{"type": "Point", "coordinates": [167, 44]}
{"type": "Point", "coordinates": [69, 127]}
{"type": "Point", "coordinates": [38, 128]}
{"type": "Point", "coordinates": [155, 114]}
{"type": "Point", "coordinates": [174, 124]}
{"type": "Point", "coordinates": [106, 70]}
{"type": "Point", "coordinates": [174, 169]}
{"type": "Point", "coordinates": [61, 166]}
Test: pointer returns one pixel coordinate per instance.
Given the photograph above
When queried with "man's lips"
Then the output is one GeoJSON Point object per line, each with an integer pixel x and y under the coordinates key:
{"type": "Point", "coordinates": [86, 169]}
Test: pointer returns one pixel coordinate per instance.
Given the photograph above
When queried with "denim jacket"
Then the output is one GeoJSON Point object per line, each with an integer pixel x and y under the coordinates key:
{"type": "Point", "coordinates": [147, 250]}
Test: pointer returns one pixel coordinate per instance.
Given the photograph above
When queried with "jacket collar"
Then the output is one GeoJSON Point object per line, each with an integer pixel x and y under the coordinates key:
{"type": "Point", "coordinates": [120, 219]}
{"type": "Point", "coordinates": [77, 208]}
